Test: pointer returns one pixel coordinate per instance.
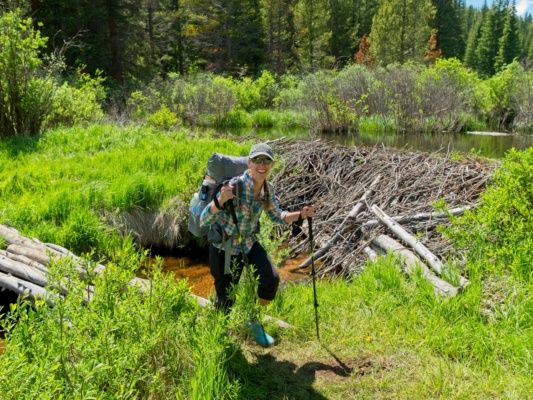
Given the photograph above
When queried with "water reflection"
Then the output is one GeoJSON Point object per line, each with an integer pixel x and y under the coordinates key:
{"type": "Point", "coordinates": [484, 145]}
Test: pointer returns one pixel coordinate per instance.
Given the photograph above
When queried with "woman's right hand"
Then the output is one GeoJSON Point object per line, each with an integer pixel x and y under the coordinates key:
{"type": "Point", "coordinates": [226, 193]}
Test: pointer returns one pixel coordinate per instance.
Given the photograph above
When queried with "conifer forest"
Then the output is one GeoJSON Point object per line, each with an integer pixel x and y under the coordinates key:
{"type": "Point", "coordinates": [128, 40]}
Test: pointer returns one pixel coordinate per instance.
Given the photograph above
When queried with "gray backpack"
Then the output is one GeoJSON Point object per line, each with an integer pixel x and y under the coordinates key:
{"type": "Point", "coordinates": [220, 168]}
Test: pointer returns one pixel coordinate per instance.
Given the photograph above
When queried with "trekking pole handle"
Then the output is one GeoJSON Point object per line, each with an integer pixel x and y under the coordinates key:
{"type": "Point", "coordinates": [308, 204]}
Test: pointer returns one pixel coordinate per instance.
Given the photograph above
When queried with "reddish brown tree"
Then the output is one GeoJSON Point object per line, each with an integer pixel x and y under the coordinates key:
{"type": "Point", "coordinates": [433, 53]}
{"type": "Point", "coordinates": [363, 56]}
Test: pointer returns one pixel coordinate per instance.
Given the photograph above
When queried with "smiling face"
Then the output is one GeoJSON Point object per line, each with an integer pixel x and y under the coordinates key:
{"type": "Point", "coordinates": [259, 172]}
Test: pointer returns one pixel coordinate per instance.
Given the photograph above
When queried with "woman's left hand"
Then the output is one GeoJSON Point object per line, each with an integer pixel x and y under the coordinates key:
{"type": "Point", "coordinates": [308, 212]}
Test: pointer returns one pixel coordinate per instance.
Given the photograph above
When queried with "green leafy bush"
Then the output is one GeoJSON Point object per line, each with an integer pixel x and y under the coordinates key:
{"type": "Point", "coordinates": [123, 344]}
{"type": "Point", "coordinates": [163, 118]}
{"type": "Point", "coordinates": [253, 94]}
{"type": "Point", "coordinates": [74, 104]}
{"type": "Point", "coordinates": [497, 233]}
{"type": "Point", "coordinates": [25, 92]}
{"type": "Point", "coordinates": [502, 89]}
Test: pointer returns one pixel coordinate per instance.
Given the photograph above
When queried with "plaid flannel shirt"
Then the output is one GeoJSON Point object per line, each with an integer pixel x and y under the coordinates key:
{"type": "Point", "coordinates": [248, 212]}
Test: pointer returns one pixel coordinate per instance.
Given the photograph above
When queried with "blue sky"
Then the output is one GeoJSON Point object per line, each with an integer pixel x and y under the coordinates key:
{"type": "Point", "coordinates": [522, 6]}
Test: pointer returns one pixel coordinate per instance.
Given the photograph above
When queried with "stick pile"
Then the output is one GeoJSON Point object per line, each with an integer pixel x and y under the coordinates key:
{"type": "Point", "coordinates": [345, 182]}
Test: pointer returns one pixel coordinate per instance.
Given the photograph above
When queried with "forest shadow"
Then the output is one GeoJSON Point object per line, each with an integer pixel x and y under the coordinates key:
{"type": "Point", "coordinates": [18, 145]}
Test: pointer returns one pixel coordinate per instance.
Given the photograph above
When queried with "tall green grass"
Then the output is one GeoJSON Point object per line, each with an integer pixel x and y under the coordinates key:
{"type": "Point", "coordinates": [122, 345]}
{"type": "Point", "coordinates": [421, 346]}
{"type": "Point", "coordinates": [58, 186]}
{"type": "Point", "coordinates": [383, 334]}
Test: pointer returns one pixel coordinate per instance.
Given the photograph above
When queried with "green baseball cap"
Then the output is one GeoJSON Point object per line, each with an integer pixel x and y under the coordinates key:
{"type": "Point", "coordinates": [261, 149]}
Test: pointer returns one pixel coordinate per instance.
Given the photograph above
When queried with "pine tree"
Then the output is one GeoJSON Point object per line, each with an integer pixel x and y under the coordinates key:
{"type": "Point", "coordinates": [525, 33]}
{"type": "Point", "coordinates": [433, 52]}
{"type": "Point", "coordinates": [248, 36]}
{"type": "Point", "coordinates": [314, 36]}
{"type": "Point", "coordinates": [175, 51]}
{"type": "Point", "coordinates": [363, 56]}
{"type": "Point", "coordinates": [447, 24]}
{"type": "Point", "coordinates": [491, 31]}
{"type": "Point", "coordinates": [509, 43]}
{"type": "Point", "coordinates": [400, 31]}
{"type": "Point", "coordinates": [278, 23]}
{"type": "Point", "coordinates": [363, 12]}
{"type": "Point", "coordinates": [474, 34]}
{"type": "Point", "coordinates": [343, 31]}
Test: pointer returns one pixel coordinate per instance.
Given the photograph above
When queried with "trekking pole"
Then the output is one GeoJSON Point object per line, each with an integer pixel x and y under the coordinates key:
{"type": "Point", "coordinates": [310, 223]}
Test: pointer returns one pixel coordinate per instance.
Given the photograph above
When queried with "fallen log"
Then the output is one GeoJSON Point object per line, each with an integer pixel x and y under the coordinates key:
{"type": "Point", "coordinates": [422, 250]}
{"type": "Point", "coordinates": [22, 271]}
{"type": "Point", "coordinates": [39, 252]}
{"type": "Point", "coordinates": [98, 268]}
{"type": "Point", "coordinates": [412, 263]}
{"type": "Point", "coordinates": [33, 254]}
{"type": "Point", "coordinates": [403, 219]}
{"type": "Point", "coordinates": [359, 206]}
{"type": "Point", "coordinates": [25, 260]}
{"type": "Point", "coordinates": [16, 239]}
{"type": "Point", "coordinates": [13, 237]}
{"type": "Point", "coordinates": [23, 288]}
{"type": "Point", "coordinates": [370, 253]}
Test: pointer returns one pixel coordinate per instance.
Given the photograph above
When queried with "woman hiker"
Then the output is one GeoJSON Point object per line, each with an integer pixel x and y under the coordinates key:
{"type": "Point", "coordinates": [257, 196]}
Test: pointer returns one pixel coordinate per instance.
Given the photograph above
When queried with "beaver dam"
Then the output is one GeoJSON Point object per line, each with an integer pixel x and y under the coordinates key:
{"type": "Point", "coordinates": [368, 201]}
{"type": "Point", "coordinates": [354, 188]}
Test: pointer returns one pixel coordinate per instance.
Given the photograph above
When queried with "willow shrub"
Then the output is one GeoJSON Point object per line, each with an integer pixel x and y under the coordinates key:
{"type": "Point", "coordinates": [497, 233]}
{"type": "Point", "coordinates": [123, 344]}
{"type": "Point", "coordinates": [77, 102]}
{"type": "Point", "coordinates": [255, 94]}
{"type": "Point", "coordinates": [25, 90]}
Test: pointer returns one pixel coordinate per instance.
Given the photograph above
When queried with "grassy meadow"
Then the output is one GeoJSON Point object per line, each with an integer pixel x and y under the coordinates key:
{"type": "Point", "coordinates": [383, 335]}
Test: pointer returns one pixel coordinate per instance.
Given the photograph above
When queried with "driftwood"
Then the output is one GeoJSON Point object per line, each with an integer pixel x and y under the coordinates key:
{"type": "Point", "coordinates": [33, 254]}
{"type": "Point", "coordinates": [43, 253]}
{"type": "Point", "coordinates": [406, 219]}
{"type": "Point", "coordinates": [27, 261]}
{"type": "Point", "coordinates": [23, 288]}
{"type": "Point", "coordinates": [422, 250]}
{"type": "Point", "coordinates": [24, 260]}
{"type": "Point", "coordinates": [23, 271]}
{"type": "Point", "coordinates": [412, 263]}
{"type": "Point", "coordinates": [371, 253]}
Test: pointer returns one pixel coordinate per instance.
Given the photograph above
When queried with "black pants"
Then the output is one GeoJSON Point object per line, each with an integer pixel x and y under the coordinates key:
{"type": "Point", "coordinates": [263, 269]}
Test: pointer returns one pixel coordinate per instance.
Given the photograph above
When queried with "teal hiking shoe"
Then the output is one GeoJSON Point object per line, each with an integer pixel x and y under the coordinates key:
{"type": "Point", "coordinates": [259, 334]}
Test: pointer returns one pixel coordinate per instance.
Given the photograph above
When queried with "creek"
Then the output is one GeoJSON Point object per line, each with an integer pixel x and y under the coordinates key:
{"type": "Point", "coordinates": [488, 144]}
{"type": "Point", "coordinates": [485, 144]}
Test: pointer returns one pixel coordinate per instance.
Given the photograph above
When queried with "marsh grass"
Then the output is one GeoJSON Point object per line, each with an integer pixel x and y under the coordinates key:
{"type": "Point", "coordinates": [400, 341]}
{"type": "Point", "coordinates": [81, 174]}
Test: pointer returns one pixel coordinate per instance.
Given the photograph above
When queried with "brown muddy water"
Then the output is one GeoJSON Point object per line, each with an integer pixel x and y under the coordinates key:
{"type": "Point", "coordinates": [196, 271]}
